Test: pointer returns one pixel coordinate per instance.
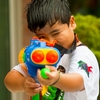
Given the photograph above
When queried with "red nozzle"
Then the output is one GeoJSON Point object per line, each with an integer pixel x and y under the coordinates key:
{"type": "Point", "coordinates": [52, 56]}
{"type": "Point", "coordinates": [37, 56]}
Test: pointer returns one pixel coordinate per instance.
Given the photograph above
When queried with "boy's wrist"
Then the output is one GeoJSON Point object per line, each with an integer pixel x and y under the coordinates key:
{"type": "Point", "coordinates": [57, 78]}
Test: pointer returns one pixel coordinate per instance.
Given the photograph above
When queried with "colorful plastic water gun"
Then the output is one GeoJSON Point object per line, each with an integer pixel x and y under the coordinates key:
{"type": "Point", "coordinates": [38, 54]}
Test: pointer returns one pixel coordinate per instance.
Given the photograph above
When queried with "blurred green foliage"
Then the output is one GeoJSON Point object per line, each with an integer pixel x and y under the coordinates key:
{"type": "Point", "coordinates": [88, 30]}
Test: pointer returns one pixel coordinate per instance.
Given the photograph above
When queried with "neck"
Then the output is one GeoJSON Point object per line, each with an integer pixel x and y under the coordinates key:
{"type": "Point", "coordinates": [78, 42]}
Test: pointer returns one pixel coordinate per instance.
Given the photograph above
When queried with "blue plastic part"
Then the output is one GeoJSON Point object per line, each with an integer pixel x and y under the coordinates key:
{"type": "Point", "coordinates": [32, 67]}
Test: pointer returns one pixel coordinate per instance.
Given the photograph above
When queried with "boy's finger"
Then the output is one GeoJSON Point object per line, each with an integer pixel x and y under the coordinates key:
{"type": "Point", "coordinates": [50, 67]}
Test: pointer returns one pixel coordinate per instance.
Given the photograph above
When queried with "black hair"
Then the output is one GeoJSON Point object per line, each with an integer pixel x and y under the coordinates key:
{"type": "Point", "coordinates": [41, 12]}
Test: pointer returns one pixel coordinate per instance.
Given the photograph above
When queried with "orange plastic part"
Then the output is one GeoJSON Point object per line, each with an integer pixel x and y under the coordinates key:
{"type": "Point", "coordinates": [52, 56]}
{"type": "Point", "coordinates": [37, 56]}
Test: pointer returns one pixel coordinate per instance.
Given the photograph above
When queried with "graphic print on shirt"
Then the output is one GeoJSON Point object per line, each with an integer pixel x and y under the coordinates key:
{"type": "Point", "coordinates": [85, 67]}
{"type": "Point", "coordinates": [54, 93]}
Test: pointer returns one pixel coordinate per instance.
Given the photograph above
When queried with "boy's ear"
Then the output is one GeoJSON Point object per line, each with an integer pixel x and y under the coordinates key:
{"type": "Point", "coordinates": [72, 22]}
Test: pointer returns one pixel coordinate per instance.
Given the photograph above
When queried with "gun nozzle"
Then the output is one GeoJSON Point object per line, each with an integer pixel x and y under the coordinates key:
{"type": "Point", "coordinates": [37, 56]}
{"type": "Point", "coordinates": [52, 56]}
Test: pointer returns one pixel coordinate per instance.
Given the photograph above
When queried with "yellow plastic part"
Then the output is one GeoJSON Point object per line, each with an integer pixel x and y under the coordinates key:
{"type": "Point", "coordinates": [45, 51]}
{"type": "Point", "coordinates": [20, 56]}
{"type": "Point", "coordinates": [44, 89]}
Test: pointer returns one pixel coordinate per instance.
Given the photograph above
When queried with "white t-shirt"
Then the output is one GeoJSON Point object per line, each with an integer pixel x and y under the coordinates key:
{"type": "Point", "coordinates": [81, 61]}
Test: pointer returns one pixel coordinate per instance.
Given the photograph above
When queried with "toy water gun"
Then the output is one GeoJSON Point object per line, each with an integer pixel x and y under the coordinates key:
{"type": "Point", "coordinates": [38, 54]}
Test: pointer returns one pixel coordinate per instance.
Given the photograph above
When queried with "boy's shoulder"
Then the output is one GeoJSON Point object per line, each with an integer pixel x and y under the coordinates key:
{"type": "Point", "coordinates": [21, 68]}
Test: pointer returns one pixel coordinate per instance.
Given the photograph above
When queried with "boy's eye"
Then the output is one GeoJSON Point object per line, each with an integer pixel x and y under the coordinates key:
{"type": "Point", "coordinates": [42, 37]}
{"type": "Point", "coordinates": [55, 34]}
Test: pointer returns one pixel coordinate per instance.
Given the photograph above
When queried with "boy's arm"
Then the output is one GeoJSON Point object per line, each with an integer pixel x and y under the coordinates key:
{"type": "Point", "coordinates": [14, 81]}
{"type": "Point", "coordinates": [70, 82]}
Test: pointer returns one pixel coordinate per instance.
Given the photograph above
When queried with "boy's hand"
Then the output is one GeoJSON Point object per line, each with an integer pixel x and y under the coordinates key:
{"type": "Point", "coordinates": [53, 75]}
{"type": "Point", "coordinates": [31, 87]}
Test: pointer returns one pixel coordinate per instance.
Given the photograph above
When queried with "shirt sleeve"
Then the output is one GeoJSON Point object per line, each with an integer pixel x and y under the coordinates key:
{"type": "Point", "coordinates": [21, 70]}
{"type": "Point", "coordinates": [87, 66]}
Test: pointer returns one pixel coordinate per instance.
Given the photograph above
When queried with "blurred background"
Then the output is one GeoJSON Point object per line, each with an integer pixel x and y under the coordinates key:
{"type": "Point", "coordinates": [14, 34]}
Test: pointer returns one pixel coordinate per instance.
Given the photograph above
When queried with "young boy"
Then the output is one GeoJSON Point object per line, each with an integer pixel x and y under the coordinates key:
{"type": "Point", "coordinates": [52, 20]}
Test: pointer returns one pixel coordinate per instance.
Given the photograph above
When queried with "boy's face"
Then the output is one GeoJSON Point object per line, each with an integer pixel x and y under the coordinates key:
{"type": "Point", "coordinates": [62, 33]}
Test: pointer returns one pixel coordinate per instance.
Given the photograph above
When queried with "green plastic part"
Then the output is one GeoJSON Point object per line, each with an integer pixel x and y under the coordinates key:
{"type": "Point", "coordinates": [43, 72]}
{"type": "Point", "coordinates": [36, 97]}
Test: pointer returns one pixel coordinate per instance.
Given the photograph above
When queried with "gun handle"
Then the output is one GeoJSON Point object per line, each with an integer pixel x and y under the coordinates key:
{"type": "Point", "coordinates": [36, 97]}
